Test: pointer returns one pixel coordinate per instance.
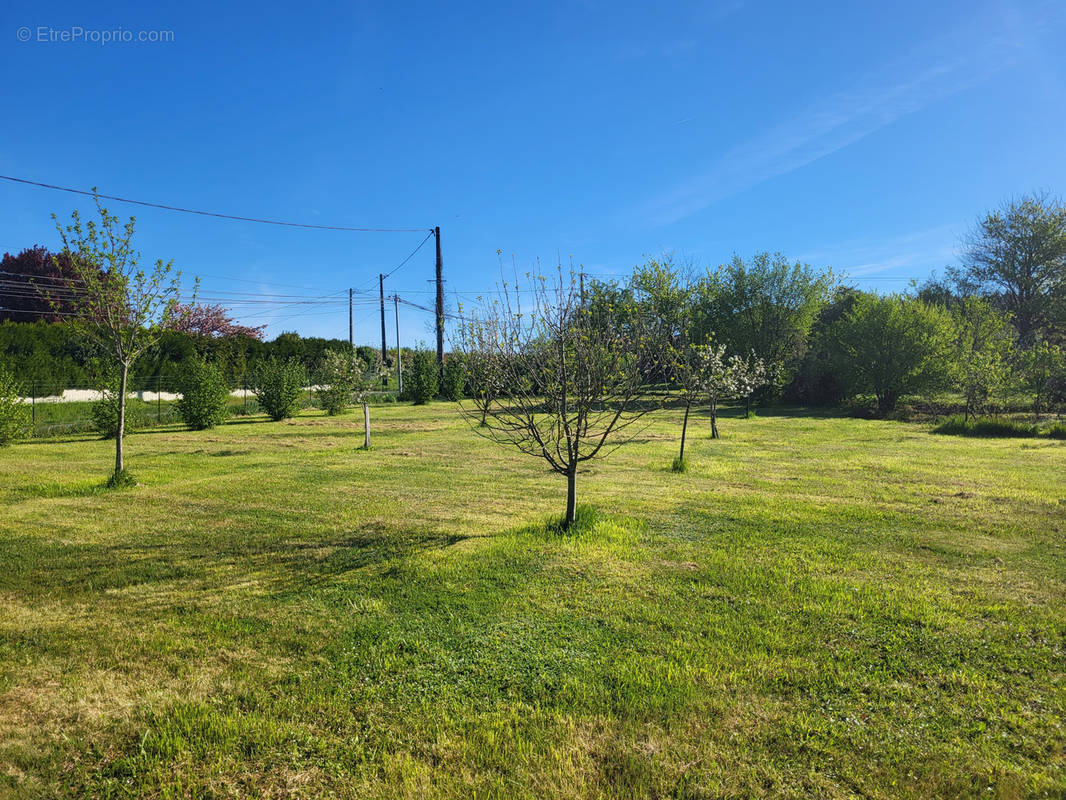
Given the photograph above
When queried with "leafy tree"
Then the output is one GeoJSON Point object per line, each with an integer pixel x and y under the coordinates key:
{"type": "Point", "coordinates": [764, 306]}
{"type": "Point", "coordinates": [816, 380]}
{"type": "Point", "coordinates": [13, 413]}
{"type": "Point", "coordinates": [891, 346]}
{"type": "Point", "coordinates": [983, 347]}
{"type": "Point", "coordinates": [574, 383]}
{"type": "Point", "coordinates": [278, 386]}
{"type": "Point", "coordinates": [421, 383]}
{"type": "Point", "coordinates": [117, 303]}
{"type": "Point", "coordinates": [204, 399]}
{"type": "Point", "coordinates": [35, 286]}
{"type": "Point", "coordinates": [1019, 252]}
{"type": "Point", "coordinates": [1044, 369]}
{"type": "Point", "coordinates": [454, 377]}
{"type": "Point", "coordinates": [483, 359]}
{"type": "Point", "coordinates": [661, 297]}
{"type": "Point", "coordinates": [337, 380]}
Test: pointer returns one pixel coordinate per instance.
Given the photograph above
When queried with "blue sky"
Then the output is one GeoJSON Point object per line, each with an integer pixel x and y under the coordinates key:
{"type": "Point", "coordinates": [866, 137]}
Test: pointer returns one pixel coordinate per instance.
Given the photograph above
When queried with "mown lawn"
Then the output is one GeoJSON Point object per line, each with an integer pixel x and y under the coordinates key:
{"type": "Point", "coordinates": [819, 607]}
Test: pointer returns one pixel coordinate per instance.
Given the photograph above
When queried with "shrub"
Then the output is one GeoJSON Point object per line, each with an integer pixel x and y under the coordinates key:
{"type": "Point", "coordinates": [204, 399]}
{"type": "Point", "coordinates": [454, 378]}
{"type": "Point", "coordinates": [337, 376]}
{"type": "Point", "coordinates": [13, 412]}
{"type": "Point", "coordinates": [1056, 431]}
{"type": "Point", "coordinates": [421, 383]}
{"type": "Point", "coordinates": [104, 412]}
{"type": "Point", "coordinates": [278, 385]}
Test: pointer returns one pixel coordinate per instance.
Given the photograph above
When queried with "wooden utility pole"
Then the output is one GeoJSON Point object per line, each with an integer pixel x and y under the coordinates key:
{"type": "Point", "coordinates": [399, 352]}
{"type": "Point", "coordinates": [351, 331]}
{"type": "Point", "coordinates": [440, 308]}
{"type": "Point", "coordinates": [381, 287]}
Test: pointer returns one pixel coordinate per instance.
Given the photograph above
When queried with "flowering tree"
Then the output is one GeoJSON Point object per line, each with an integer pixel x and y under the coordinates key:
{"type": "Point", "coordinates": [719, 378]}
{"type": "Point", "coordinates": [117, 304]}
{"type": "Point", "coordinates": [206, 320]}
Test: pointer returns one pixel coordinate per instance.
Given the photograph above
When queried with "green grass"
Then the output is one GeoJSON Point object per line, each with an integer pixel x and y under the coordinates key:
{"type": "Point", "coordinates": [818, 606]}
{"type": "Point", "coordinates": [992, 428]}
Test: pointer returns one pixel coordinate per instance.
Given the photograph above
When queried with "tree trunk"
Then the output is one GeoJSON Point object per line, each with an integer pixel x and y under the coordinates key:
{"type": "Point", "coordinates": [571, 496]}
{"type": "Point", "coordinates": [886, 402]}
{"type": "Point", "coordinates": [366, 425]}
{"type": "Point", "coordinates": [684, 429]}
{"type": "Point", "coordinates": [714, 419]}
{"type": "Point", "coordinates": [120, 431]}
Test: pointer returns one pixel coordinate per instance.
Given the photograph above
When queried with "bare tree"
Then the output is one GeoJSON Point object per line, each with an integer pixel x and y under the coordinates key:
{"type": "Point", "coordinates": [553, 379]}
{"type": "Point", "coordinates": [118, 305]}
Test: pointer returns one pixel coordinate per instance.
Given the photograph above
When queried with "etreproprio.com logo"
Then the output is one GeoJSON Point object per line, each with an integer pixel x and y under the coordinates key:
{"type": "Point", "coordinates": [74, 34]}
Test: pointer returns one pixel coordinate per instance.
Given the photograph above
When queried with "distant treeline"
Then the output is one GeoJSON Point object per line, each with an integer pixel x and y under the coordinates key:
{"type": "Point", "coordinates": [47, 357]}
{"type": "Point", "coordinates": [993, 328]}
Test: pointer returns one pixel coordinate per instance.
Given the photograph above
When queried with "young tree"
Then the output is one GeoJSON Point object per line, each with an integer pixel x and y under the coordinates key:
{"type": "Point", "coordinates": [349, 376]}
{"type": "Point", "coordinates": [689, 368]}
{"type": "Point", "coordinates": [365, 376]}
{"type": "Point", "coordinates": [337, 377]}
{"type": "Point", "coordinates": [1019, 252]}
{"type": "Point", "coordinates": [747, 375]}
{"type": "Point", "coordinates": [118, 304]}
{"type": "Point", "coordinates": [720, 378]}
{"type": "Point", "coordinates": [421, 384]}
{"type": "Point", "coordinates": [454, 377]}
{"type": "Point", "coordinates": [204, 399]}
{"type": "Point", "coordinates": [278, 386]}
{"type": "Point", "coordinates": [983, 347]}
{"type": "Point", "coordinates": [13, 414]}
{"type": "Point", "coordinates": [1043, 367]}
{"type": "Point", "coordinates": [891, 346]}
{"type": "Point", "coordinates": [573, 385]}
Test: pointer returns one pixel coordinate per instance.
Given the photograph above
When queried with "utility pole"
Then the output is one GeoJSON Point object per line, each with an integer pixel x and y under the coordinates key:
{"type": "Point", "coordinates": [351, 331]}
{"type": "Point", "coordinates": [399, 353]}
{"type": "Point", "coordinates": [381, 286]}
{"type": "Point", "coordinates": [440, 308]}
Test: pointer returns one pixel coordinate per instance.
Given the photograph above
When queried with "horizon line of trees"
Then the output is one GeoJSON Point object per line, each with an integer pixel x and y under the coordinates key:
{"type": "Point", "coordinates": [992, 325]}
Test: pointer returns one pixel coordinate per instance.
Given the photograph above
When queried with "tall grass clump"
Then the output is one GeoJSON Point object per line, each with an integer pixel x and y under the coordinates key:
{"type": "Point", "coordinates": [987, 428]}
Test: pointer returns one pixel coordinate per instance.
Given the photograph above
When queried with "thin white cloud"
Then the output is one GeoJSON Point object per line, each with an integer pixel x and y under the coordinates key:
{"type": "Point", "coordinates": [907, 255]}
{"type": "Point", "coordinates": [913, 82]}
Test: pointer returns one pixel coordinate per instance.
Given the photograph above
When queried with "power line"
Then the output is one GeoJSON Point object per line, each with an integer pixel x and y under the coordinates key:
{"type": "Point", "coordinates": [420, 244]}
{"type": "Point", "coordinates": [208, 213]}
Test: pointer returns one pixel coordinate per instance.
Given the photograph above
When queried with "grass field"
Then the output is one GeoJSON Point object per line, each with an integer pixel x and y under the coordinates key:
{"type": "Point", "coordinates": [818, 607]}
